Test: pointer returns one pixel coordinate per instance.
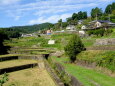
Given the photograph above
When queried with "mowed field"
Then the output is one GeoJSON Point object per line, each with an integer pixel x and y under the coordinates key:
{"type": "Point", "coordinates": [30, 77]}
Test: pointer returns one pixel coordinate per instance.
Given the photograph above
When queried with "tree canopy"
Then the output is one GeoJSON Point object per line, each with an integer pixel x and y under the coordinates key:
{"type": "Point", "coordinates": [96, 12]}
{"type": "Point", "coordinates": [74, 47]}
{"type": "Point", "coordinates": [3, 36]}
{"type": "Point", "coordinates": [110, 8]}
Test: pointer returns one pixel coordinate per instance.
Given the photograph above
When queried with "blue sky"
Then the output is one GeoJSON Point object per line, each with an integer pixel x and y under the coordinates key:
{"type": "Point", "coordinates": [28, 12]}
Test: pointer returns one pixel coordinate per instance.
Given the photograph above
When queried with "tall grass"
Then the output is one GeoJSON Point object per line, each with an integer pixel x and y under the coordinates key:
{"type": "Point", "coordinates": [102, 58]}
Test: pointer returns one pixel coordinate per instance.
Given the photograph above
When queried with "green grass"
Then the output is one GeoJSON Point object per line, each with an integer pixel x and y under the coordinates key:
{"type": "Point", "coordinates": [88, 77]}
{"type": "Point", "coordinates": [25, 42]}
{"type": "Point", "coordinates": [88, 42]}
{"type": "Point", "coordinates": [61, 40]}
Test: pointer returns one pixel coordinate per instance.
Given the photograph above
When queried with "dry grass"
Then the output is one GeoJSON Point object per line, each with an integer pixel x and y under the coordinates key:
{"type": "Point", "coordinates": [8, 55]}
{"type": "Point", "coordinates": [12, 63]}
{"type": "Point", "coordinates": [30, 77]}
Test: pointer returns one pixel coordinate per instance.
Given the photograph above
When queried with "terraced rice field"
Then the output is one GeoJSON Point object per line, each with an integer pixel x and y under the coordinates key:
{"type": "Point", "coordinates": [12, 63]}
{"type": "Point", "coordinates": [30, 77]}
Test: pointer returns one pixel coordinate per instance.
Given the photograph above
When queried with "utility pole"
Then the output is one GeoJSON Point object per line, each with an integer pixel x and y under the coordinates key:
{"type": "Point", "coordinates": [96, 16]}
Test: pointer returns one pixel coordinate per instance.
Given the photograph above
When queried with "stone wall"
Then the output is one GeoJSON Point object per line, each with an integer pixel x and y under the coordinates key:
{"type": "Point", "coordinates": [61, 72]}
{"type": "Point", "coordinates": [73, 80]}
{"type": "Point", "coordinates": [16, 68]}
{"type": "Point", "coordinates": [110, 41]}
{"type": "Point", "coordinates": [52, 73]}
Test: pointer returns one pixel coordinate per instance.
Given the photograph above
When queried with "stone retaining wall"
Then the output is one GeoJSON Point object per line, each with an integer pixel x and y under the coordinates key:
{"type": "Point", "coordinates": [101, 48]}
{"type": "Point", "coordinates": [16, 68]}
{"type": "Point", "coordinates": [8, 58]}
{"type": "Point", "coordinates": [73, 80]}
{"type": "Point", "coordinates": [60, 70]}
{"type": "Point", "coordinates": [109, 41]}
{"type": "Point", "coordinates": [53, 74]}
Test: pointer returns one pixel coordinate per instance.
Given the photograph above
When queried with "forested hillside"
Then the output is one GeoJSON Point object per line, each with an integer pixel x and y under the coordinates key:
{"type": "Point", "coordinates": [32, 28]}
{"type": "Point", "coordinates": [14, 32]}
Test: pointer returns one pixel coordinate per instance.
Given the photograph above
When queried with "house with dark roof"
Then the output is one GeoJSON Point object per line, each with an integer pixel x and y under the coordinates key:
{"type": "Point", "coordinates": [100, 23]}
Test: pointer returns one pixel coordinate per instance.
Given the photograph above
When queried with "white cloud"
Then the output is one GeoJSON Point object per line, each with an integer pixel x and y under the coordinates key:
{"type": "Point", "coordinates": [14, 14]}
{"type": "Point", "coordinates": [52, 19]}
{"type": "Point", "coordinates": [45, 8]}
{"type": "Point", "coordinates": [7, 2]}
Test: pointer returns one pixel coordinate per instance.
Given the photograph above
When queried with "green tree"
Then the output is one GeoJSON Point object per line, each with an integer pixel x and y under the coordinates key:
{"type": "Point", "coordinates": [80, 15]}
{"type": "Point", "coordinates": [60, 23]}
{"type": "Point", "coordinates": [110, 8]}
{"type": "Point", "coordinates": [96, 12]}
{"type": "Point", "coordinates": [3, 36]}
{"type": "Point", "coordinates": [84, 15]}
{"type": "Point", "coordinates": [69, 20]}
{"type": "Point", "coordinates": [74, 16]}
{"type": "Point", "coordinates": [74, 47]}
{"type": "Point", "coordinates": [64, 24]}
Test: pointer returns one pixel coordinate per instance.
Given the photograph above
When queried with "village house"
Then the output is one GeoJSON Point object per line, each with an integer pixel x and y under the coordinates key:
{"type": "Point", "coordinates": [35, 34]}
{"type": "Point", "coordinates": [71, 28]}
{"type": "Point", "coordinates": [83, 27]}
{"type": "Point", "coordinates": [49, 32]}
{"type": "Point", "coordinates": [26, 35]}
{"type": "Point", "coordinates": [100, 23]}
{"type": "Point", "coordinates": [80, 22]}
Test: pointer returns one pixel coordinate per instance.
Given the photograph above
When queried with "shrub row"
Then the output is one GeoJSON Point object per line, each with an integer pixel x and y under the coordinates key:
{"type": "Point", "coordinates": [100, 32]}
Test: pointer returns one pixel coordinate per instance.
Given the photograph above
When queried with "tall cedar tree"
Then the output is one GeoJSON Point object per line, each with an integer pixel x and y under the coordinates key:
{"type": "Point", "coordinates": [74, 47]}
{"type": "Point", "coordinates": [3, 36]}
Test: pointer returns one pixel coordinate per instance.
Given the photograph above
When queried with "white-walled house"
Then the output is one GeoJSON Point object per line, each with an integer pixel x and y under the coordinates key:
{"type": "Point", "coordinates": [98, 24]}
{"type": "Point", "coordinates": [80, 22]}
{"type": "Point", "coordinates": [26, 35]}
{"type": "Point", "coordinates": [81, 32]}
{"type": "Point", "coordinates": [83, 27]}
{"type": "Point", "coordinates": [70, 27]}
{"type": "Point", "coordinates": [51, 42]}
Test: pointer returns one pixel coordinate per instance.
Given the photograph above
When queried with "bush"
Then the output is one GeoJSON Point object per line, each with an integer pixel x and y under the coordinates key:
{"type": "Point", "coordinates": [108, 31]}
{"type": "Point", "coordinates": [4, 79]}
{"type": "Point", "coordinates": [107, 60]}
{"type": "Point", "coordinates": [99, 32]}
{"type": "Point", "coordinates": [74, 47]}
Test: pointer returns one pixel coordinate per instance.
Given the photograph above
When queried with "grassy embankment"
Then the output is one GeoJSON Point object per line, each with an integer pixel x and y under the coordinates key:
{"type": "Point", "coordinates": [89, 77]}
